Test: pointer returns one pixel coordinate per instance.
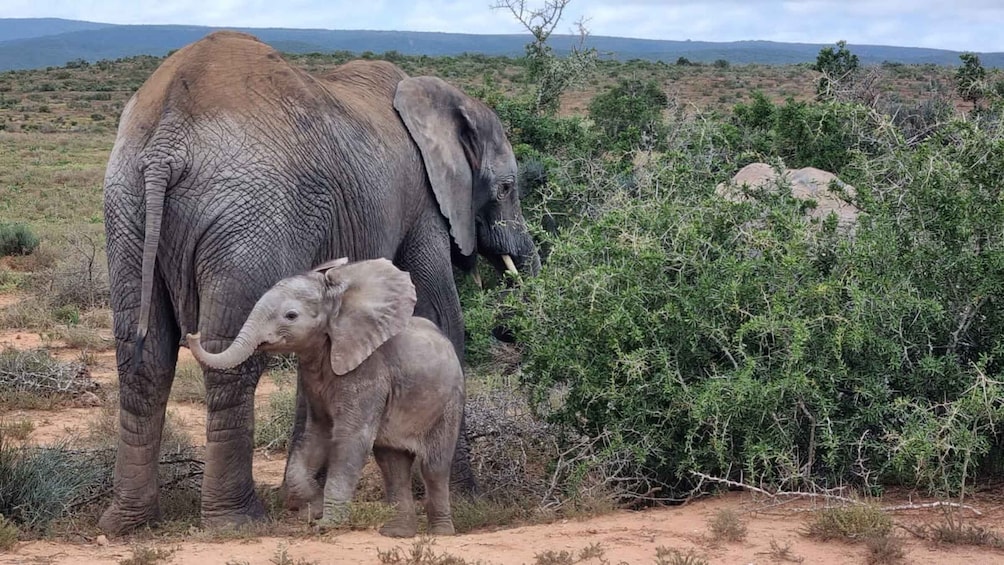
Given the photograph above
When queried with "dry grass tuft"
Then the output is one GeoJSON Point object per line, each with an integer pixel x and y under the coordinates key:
{"type": "Point", "coordinates": [727, 525]}
{"type": "Point", "coordinates": [856, 522]}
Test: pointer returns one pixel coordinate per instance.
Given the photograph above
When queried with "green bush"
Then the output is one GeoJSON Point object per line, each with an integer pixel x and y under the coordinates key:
{"type": "Point", "coordinates": [630, 115]}
{"type": "Point", "coordinates": [739, 340]}
{"type": "Point", "coordinates": [17, 239]}
{"type": "Point", "coordinates": [529, 132]}
{"type": "Point", "coordinates": [826, 135]}
{"type": "Point", "coordinates": [837, 66]}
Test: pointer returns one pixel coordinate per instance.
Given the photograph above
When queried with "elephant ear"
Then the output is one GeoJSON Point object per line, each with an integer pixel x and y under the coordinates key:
{"type": "Point", "coordinates": [439, 121]}
{"type": "Point", "coordinates": [323, 267]}
{"type": "Point", "coordinates": [377, 301]}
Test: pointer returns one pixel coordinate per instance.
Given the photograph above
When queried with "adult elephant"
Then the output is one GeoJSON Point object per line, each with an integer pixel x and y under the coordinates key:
{"type": "Point", "coordinates": [233, 170]}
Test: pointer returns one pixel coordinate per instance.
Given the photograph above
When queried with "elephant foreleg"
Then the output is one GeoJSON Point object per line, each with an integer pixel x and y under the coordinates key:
{"type": "Point", "coordinates": [346, 459]}
{"type": "Point", "coordinates": [439, 301]}
{"type": "Point", "coordinates": [228, 494]}
{"type": "Point", "coordinates": [306, 461]}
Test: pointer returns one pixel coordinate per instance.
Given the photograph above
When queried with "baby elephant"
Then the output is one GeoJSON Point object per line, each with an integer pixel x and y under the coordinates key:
{"type": "Point", "coordinates": [375, 378]}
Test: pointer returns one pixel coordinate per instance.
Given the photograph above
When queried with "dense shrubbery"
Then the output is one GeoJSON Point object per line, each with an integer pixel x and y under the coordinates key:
{"type": "Point", "coordinates": [739, 340]}
{"type": "Point", "coordinates": [825, 135]}
{"type": "Point", "coordinates": [629, 115]}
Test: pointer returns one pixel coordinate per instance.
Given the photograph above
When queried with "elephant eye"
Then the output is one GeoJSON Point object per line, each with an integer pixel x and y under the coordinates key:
{"type": "Point", "coordinates": [505, 188]}
{"type": "Point", "coordinates": [291, 315]}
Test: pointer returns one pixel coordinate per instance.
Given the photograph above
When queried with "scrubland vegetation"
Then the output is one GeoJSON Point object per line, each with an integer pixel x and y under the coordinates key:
{"type": "Point", "coordinates": [674, 340]}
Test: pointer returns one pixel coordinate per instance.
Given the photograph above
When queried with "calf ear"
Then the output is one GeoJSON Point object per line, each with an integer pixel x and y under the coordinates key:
{"type": "Point", "coordinates": [323, 267]}
{"type": "Point", "coordinates": [376, 302]}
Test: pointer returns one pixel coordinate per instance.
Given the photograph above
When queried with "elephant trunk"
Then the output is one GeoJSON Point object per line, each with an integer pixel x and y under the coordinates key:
{"type": "Point", "coordinates": [243, 346]}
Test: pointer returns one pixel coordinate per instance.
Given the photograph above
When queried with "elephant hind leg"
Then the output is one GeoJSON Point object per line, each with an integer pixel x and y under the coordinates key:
{"type": "Point", "coordinates": [143, 398]}
{"type": "Point", "coordinates": [436, 466]}
{"type": "Point", "coordinates": [436, 475]}
{"type": "Point", "coordinates": [395, 466]}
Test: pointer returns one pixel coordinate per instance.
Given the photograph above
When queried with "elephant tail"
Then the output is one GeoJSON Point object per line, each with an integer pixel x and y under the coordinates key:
{"type": "Point", "coordinates": [155, 180]}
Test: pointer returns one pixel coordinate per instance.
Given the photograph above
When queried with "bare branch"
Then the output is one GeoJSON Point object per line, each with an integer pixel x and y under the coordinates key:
{"type": "Point", "coordinates": [540, 22]}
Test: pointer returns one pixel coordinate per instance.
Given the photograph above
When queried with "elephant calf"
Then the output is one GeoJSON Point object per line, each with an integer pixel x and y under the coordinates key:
{"type": "Point", "coordinates": [388, 382]}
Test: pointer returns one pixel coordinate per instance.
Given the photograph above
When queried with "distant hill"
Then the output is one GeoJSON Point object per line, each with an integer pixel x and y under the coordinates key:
{"type": "Point", "coordinates": [34, 43]}
{"type": "Point", "coordinates": [14, 28]}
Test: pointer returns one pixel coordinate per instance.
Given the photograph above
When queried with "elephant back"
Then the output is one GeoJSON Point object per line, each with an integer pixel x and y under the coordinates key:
{"type": "Point", "coordinates": [226, 73]}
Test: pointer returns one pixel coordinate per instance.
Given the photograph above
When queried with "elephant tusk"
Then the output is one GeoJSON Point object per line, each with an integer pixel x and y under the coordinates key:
{"type": "Point", "coordinates": [190, 337]}
{"type": "Point", "coordinates": [477, 278]}
{"type": "Point", "coordinates": [509, 265]}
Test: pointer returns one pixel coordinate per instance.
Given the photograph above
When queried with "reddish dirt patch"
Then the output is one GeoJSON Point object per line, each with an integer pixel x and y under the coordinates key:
{"type": "Point", "coordinates": [625, 536]}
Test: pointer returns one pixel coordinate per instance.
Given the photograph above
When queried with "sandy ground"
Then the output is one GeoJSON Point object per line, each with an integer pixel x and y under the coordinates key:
{"type": "Point", "coordinates": [624, 536]}
{"type": "Point", "coordinates": [629, 537]}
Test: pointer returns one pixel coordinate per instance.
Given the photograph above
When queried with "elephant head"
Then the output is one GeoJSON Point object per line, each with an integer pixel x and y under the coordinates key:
{"type": "Point", "coordinates": [472, 169]}
{"type": "Point", "coordinates": [357, 306]}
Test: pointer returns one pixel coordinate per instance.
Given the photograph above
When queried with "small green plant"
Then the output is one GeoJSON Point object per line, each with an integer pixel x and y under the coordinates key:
{"type": "Point", "coordinates": [281, 557]}
{"type": "Point", "coordinates": [727, 525]}
{"type": "Point", "coordinates": [8, 534]}
{"type": "Point", "coordinates": [364, 515]}
{"type": "Point", "coordinates": [145, 555]}
{"type": "Point", "coordinates": [421, 552]}
{"type": "Point", "coordinates": [18, 430]}
{"type": "Point", "coordinates": [67, 314]}
{"type": "Point", "coordinates": [668, 556]}
{"type": "Point", "coordinates": [189, 384]}
{"type": "Point", "coordinates": [592, 552]}
{"type": "Point", "coordinates": [271, 431]}
{"type": "Point", "coordinates": [17, 239]}
{"type": "Point", "coordinates": [80, 337]}
{"type": "Point", "coordinates": [855, 522]}
{"type": "Point", "coordinates": [953, 531]}
{"type": "Point", "coordinates": [482, 512]}
{"type": "Point", "coordinates": [884, 550]}
{"type": "Point", "coordinates": [782, 553]}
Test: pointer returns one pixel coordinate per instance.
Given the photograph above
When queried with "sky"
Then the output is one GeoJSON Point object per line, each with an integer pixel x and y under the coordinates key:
{"type": "Point", "coordinates": [960, 25]}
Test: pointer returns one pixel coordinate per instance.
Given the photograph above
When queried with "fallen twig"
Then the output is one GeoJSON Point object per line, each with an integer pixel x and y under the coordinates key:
{"type": "Point", "coordinates": [828, 496]}
{"type": "Point", "coordinates": [778, 493]}
{"type": "Point", "coordinates": [939, 504]}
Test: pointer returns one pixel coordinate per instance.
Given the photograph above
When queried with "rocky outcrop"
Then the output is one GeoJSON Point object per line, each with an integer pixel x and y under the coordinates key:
{"type": "Point", "coordinates": [829, 193]}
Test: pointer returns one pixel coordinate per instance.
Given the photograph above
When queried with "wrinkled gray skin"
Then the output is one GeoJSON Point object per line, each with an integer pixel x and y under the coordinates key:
{"type": "Point", "coordinates": [232, 170]}
{"type": "Point", "coordinates": [389, 383]}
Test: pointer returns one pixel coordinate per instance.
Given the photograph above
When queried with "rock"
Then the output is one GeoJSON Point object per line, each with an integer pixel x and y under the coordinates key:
{"type": "Point", "coordinates": [807, 183]}
{"type": "Point", "coordinates": [101, 540]}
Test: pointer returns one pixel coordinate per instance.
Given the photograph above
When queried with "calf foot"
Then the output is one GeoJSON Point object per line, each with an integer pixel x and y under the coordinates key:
{"type": "Point", "coordinates": [441, 526]}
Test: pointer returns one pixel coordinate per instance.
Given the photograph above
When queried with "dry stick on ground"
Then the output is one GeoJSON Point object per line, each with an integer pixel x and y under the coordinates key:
{"type": "Point", "coordinates": [827, 496]}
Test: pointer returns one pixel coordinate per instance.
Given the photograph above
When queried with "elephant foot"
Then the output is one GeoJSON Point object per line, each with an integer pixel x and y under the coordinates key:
{"type": "Point", "coordinates": [441, 527]}
{"type": "Point", "coordinates": [400, 527]}
{"type": "Point", "coordinates": [251, 512]}
{"type": "Point", "coordinates": [118, 519]}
